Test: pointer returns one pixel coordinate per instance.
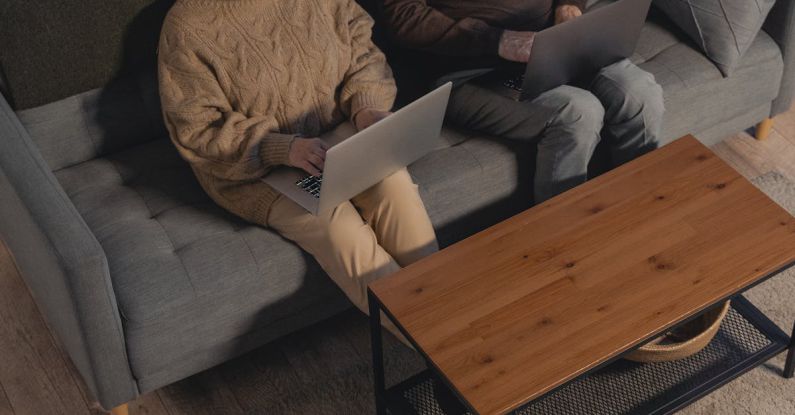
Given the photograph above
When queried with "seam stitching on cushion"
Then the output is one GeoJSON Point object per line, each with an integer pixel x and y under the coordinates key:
{"type": "Point", "coordinates": [698, 26]}
{"type": "Point", "coordinates": [165, 232]}
{"type": "Point", "coordinates": [731, 28]}
{"type": "Point", "coordinates": [666, 49]}
{"type": "Point", "coordinates": [82, 190]}
{"type": "Point", "coordinates": [109, 154]}
{"type": "Point", "coordinates": [251, 252]}
{"type": "Point", "coordinates": [472, 154]}
{"type": "Point", "coordinates": [660, 52]}
{"type": "Point", "coordinates": [200, 239]}
{"type": "Point", "coordinates": [206, 202]}
{"type": "Point", "coordinates": [676, 74]}
{"type": "Point", "coordinates": [83, 116]}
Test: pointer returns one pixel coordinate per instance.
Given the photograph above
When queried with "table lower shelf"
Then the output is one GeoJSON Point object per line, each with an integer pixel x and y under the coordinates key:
{"type": "Point", "coordinates": [746, 339]}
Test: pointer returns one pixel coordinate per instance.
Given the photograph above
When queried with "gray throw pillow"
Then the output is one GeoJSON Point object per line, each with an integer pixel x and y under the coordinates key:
{"type": "Point", "coordinates": [724, 29]}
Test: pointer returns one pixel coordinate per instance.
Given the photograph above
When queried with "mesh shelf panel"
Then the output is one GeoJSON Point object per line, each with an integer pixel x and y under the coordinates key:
{"type": "Point", "coordinates": [623, 387]}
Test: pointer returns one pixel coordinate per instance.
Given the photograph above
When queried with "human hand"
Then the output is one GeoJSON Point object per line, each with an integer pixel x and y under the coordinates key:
{"type": "Point", "coordinates": [516, 46]}
{"type": "Point", "coordinates": [566, 12]}
{"type": "Point", "coordinates": [308, 154]}
{"type": "Point", "coordinates": [368, 117]}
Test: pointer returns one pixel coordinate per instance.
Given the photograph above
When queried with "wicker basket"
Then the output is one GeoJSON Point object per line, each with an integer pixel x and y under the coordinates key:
{"type": "Point", "coordinates": [683, 341]}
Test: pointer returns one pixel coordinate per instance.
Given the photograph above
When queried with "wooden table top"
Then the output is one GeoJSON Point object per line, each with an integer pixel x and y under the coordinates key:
{"type": "Point", "coordinates": [531, 303]}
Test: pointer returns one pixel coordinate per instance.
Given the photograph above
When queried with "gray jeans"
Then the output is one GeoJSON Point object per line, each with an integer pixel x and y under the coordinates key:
{"type": "Point", "coordinates": [624, 106]}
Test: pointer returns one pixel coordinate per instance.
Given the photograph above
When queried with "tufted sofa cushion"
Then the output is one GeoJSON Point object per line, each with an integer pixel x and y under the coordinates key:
{"type": "Point", "coordinates": [186, 274]}
{"type": "Point", "coordinates": [723, 28]}
{"type": "Point", "coordinates": [192, 280]}
{"type": "Point", "coordinates": [697, 96]}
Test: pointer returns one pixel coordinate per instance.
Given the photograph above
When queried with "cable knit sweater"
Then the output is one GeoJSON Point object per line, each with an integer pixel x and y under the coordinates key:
{"type": "Point", "coordinates": [239, 79]}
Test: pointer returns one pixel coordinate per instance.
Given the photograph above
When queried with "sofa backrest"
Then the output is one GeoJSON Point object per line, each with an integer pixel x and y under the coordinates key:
{"type": "Point", "coordinates": [82, 75]}
{"type": "Point", "coordinates": [82, 127]}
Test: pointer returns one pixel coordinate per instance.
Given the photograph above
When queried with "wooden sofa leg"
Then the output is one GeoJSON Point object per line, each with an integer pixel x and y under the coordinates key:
{"type": "Point", "coordinates": [120, 410]}
{"type": "Point", "coordinates": [764, 128]}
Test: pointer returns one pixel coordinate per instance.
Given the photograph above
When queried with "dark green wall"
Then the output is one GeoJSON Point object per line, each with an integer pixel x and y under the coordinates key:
{"type": "Point", "coordinates": [51, 49]}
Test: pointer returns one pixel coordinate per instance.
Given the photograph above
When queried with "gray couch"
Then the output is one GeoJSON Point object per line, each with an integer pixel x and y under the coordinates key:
{"type": "Point", "coordinates": [145, 281]}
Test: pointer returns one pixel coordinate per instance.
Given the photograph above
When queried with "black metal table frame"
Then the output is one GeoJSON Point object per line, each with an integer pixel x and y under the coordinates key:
{"type": "Point", "coordinates": [376, 308]}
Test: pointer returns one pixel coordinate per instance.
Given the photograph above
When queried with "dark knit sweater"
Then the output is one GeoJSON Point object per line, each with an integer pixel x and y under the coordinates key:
{"type": "Point", "coordinates": [465, 33]}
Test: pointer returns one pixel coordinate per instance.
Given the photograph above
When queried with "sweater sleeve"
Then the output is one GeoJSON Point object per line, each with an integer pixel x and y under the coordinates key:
{"type": "Point", "coordinates": [368, 82]}
{"type": "Point", "coordinates": [416, 25]}
{"type": "Point", "coordinates": [207, 131]}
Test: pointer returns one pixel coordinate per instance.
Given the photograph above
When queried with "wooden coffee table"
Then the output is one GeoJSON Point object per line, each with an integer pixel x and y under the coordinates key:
{"type": "Point", "coordinates": [515, 312]}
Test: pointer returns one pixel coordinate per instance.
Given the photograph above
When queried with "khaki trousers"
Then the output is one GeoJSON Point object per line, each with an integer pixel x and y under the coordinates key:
{"type": "Point", "coordinates": [373, 235]}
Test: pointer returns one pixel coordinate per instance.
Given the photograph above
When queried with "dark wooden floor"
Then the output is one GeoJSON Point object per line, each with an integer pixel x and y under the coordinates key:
{"type": "Point", "coordinates": [300, 374]}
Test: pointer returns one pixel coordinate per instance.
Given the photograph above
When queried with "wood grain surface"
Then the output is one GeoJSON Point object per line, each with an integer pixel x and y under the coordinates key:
{"type": "Point", "coordinates": [516, 310]}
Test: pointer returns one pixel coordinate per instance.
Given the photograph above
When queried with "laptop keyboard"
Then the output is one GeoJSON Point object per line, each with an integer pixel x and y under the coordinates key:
{"type": "Point", "coordinates": [311, 185]}
{"type": "Point", "coordinates": [515, 83]}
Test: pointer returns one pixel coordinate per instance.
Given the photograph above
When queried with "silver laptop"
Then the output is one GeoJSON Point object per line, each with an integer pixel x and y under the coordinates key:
{"type": "Point", "coordinates": [357, 161]}
{"type": "Point", "coordinates": [575, 51]}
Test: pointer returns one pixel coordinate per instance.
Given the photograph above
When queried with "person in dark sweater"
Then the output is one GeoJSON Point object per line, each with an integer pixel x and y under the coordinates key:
{"type": "Point", "coordinates": [623, 104]}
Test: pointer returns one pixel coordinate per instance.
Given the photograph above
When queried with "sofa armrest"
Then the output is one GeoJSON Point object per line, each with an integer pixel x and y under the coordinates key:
{"type": "Point", "coordinates": [63, 265]}
{"type": "Point", "coordinates": [780, 25]}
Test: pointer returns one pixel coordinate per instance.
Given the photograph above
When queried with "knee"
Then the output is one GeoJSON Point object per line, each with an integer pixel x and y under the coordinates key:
{"type": "Point", "coordinates": [333, 232]}
{"type": "Point", "coordinates": [578, 111]}
{"type": "Point", "coordinates": [397, 186]}
{"type": "Point", "coordinates": [625, 90]}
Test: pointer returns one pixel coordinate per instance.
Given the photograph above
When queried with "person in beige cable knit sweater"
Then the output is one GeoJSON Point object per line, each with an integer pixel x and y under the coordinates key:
{"type": "Point", "coordinates": [243, 82]}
